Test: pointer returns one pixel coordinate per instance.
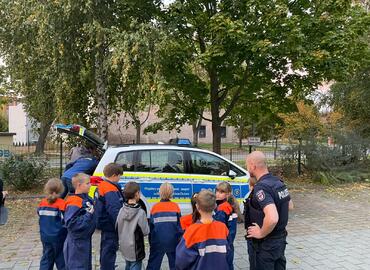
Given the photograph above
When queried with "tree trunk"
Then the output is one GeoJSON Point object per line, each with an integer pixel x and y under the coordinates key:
{"type": "Point", "coordinates": [101, 93]}
{"type": "Point", "coordinates": [240, 134]}
{"type": "Point", "coordinates": [196, 126]}
{"type": "Point", "coordinates": [138, 132]}
{"type": "Point", "coordinates": [43, 133]}
{"type": "Point", "coordinates": [195, 134]}
{"type": "Point", "coordinates": [215, 111]}
{"type": "Point", "coordinates": [216, 136]}
{"type": "Point", "coordinates": [240, 142]}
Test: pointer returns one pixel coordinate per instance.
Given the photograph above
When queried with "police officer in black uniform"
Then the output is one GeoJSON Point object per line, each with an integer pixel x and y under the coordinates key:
{"type": "Point", "coordinates": [268, 216]}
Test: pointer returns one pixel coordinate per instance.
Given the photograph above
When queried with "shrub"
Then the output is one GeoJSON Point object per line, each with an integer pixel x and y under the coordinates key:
{"type": "Point", "coordinates": [23, 173]}
{"type": "Point", "coordinates": [346, 161]}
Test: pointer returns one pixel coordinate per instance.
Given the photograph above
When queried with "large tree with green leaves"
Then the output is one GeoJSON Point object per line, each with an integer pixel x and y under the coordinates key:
{"type": "Point", "coordinates": [29, 52]}
{"type": "Point", "coordinates": [259, 49]}
{"type": "Point", "coordinates": [351, 98]}
{"type": "Point", "coordinates": [90, 30]}
{"type": "Point", "coordinates": [134, 66]}
{"type": "Point", "coordinates": [57, 55]}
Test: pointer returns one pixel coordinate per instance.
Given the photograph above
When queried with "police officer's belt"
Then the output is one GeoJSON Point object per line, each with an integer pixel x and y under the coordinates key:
{"type": "Point", "coordinates": [274, 235]}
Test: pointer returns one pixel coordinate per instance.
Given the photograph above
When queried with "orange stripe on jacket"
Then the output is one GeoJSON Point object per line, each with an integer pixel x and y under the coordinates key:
{"type": "Point", "coordinates": [74, 200]}
{"type": "Point", "coordinates": [59, 204]}
{"type": "Point", "coordinates": [186, 221]}
{"type": "Point", "coordinates": [199, 232]}
{"type": "Point", "coordinates": [226, 207]}
{"type": "Point", "coordinates": [165, 207]}
{"type": "Point", "coordinates": [104, 187]}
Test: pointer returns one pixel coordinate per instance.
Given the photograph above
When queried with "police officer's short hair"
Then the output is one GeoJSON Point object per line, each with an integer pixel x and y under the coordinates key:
{"type": "Point", "coordinates": [112, 169]}
{"type": "Point", "coordinates": [258, 158]}
{"type": "Point", "coordinates": [206, 201]}
{"type": "Point", "coordinates": [131, 188]}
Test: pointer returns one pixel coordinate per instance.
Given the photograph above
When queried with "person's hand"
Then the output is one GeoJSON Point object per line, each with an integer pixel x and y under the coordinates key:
{"type": "Point", "coordinates": [254, 231]}
{"type": "Point", "coordinates": [90, 208]}
{"type": "Point", "coordinates": [5, 193]}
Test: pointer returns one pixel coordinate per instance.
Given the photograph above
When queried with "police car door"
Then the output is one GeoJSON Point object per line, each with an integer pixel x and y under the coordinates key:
{"type": "Point", "coordinates": [153, 167]}
{"type": "Point", "coordinates": [207, 170]}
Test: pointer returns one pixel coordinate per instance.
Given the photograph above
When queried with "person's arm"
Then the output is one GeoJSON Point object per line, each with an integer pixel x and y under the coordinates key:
{"type": "Point", "coordinates": [222, 213]}
{"type": "Point", "coordinates": [291, 205]}
{"type": "Point", "coordinates": [143, 223]}
{"type": "Point", "coordinates": [265, 200]}
{"type": "Point", "coordinates": [79, 224]}
{"type": "Point", "coordinates": [185, 257]}
{"type": "Point", "coordinates": [69, 165]}
{"type": "Point", "coordinates": [269, 223]}
{"type": "Point", "coordinates": [113, 204]}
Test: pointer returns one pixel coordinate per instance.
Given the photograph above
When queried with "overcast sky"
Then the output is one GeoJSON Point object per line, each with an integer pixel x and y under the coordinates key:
{"type": "Point", "coordinates": [166, 2]}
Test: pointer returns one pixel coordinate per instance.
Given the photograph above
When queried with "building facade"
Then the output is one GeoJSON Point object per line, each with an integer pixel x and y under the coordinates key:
{"type": "Point", "coordinates": [120, 133]}
{"type": "Point", "coordinates": [20, 124]}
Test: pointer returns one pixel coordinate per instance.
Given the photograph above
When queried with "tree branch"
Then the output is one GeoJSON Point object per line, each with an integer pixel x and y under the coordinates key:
{"type": "Point", "coordinates": [223, 96]}
{"type": "Point", "coordinates": [231, 105]}
{"type": "Point", "coordinates": [147, 116]}
{"type": "Point", "coordinates": [207, 119]}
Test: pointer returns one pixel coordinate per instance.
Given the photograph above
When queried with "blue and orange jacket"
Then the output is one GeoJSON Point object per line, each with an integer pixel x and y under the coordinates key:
{"type": "Point", "coordinates": [51, 220]}
{"type": "Point", "coordinates": [225, 213]}
{"type": "Point", "coordinates": [110, 201]}
{"type": "Point", "coordinates": [79, 222]}
{"type": "Point", "coordinates": [203, 246]}
{"type": "Point", "coordinates": [165, 229]}
{"type": "Point", "coordinates": [186, 221]}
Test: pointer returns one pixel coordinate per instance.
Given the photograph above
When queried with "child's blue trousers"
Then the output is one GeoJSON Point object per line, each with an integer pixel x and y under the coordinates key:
{"type": "Point", "coordinates": [52, 253]}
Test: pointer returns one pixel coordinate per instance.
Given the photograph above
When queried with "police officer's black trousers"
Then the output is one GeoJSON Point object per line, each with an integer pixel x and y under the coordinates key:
{"type": "Point", "coordinates": [267, 254]}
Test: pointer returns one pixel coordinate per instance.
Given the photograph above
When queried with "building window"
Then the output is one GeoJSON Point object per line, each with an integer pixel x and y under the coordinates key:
{"type": "Point", "coordinates": [223, 132]}
{"type": "Point", "coordinates": [202, 132]}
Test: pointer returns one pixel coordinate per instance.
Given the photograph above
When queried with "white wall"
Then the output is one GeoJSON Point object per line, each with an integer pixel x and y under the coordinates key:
{"type": "Point", "coordinates": [20, 124]}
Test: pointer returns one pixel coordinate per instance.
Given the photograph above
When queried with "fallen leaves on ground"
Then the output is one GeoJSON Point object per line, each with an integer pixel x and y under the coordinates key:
{"type": "Point", "coordinates": [22, 215]}
{"type": "Point", "coordinates": [351, 190]}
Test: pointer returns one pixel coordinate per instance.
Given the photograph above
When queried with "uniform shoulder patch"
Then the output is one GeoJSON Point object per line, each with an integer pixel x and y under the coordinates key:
{"type": "Point", "coordinates": [260, 195]}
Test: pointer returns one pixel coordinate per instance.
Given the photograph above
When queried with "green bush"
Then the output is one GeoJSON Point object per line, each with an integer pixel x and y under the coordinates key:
{"type": "Point", "coordinates": [23, 173]}
{"type": "Point", "coordinates": [346, 161]}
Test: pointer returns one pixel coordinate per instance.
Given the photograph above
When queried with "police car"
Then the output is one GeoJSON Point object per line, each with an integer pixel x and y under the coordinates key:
{"type": "Point", "coordinates": [188, 169]}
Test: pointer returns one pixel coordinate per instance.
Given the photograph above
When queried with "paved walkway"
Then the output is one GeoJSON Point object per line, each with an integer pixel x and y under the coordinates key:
{"type": "Point", "coordinates": [326, 231]}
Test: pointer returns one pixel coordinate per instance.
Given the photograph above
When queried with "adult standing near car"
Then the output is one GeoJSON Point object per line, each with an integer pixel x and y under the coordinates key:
{"type": "Point", "coordinates": [84, 164]}
{"type": "Point", "coordinates": [268, 211]}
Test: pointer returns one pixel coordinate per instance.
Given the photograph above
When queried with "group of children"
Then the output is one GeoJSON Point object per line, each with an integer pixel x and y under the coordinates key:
{"type": "Point", "coordinates": [201, 240]}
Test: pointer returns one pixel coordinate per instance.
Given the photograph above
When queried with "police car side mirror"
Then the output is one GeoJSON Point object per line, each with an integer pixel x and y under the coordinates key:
{"type": "Point", "coordinates": [232, 174]}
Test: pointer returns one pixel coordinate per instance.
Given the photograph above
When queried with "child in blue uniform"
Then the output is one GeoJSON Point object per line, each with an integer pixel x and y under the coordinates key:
{"type": "Point", "coordinates": [204, 245]}
{"type": "Point", "coordinates": [52, 232]}
{"type": "Point", "coordinates": [108, 205]}
{"type": "Point", "coordinates": [165, 229]}
{"type": "Point", "coordinates": [80, 222]}
{"type": "Point", "coordinates": [226, 212]}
